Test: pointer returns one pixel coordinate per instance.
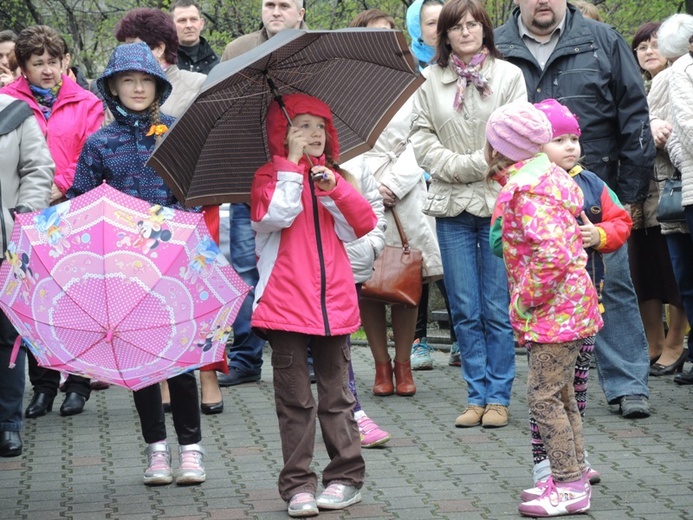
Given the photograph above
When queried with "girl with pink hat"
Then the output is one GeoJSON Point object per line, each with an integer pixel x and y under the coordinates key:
{"type": "Point", "coordinates": [553, 303]}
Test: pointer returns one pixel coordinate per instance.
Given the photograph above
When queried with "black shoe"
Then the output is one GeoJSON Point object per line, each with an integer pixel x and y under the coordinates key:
{"type": "Point", "coordinates": [73, 404]}
{"type": "Point", "coordinates": [658, 369]}
{"type": "Point", "coordinates": [685, 378]}
{"type": "Point", "coordinates": [39, 405]}
{"type": "Point", "coordinates": [10, 444]}
{"type": "Point", "coordinates": [212, 409]}
{"type": "Point", "coordinates": [235, 377]}
{"type": "Point", "coordinates": [634, 406]}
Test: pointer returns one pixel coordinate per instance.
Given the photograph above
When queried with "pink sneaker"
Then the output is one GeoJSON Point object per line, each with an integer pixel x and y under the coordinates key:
{"type": "Point", "coordinates": [371, 435]}
{"type": "Point", "coordinates": [565, 498]}
{"type": "Point", "coordinates": [592, 475]}
{"type": "Point", "coordinates": [191, 469]}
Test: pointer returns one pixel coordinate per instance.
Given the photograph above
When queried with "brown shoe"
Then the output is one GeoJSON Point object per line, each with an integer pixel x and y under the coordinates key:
{"type": "Point", "coordinates": [383, 379]}
{"type": "Point", "coordinates": [404, 378]}
{"type": "Point", "coordinates": [495, 416]}
{"type": "Point", "coordinates": [470, 417]}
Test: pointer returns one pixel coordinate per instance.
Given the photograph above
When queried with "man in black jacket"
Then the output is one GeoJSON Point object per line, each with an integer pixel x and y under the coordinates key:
{"type": "Point", "coordinates": [194, 53]}
{"type": "Point", "coordinates": [589, 67]}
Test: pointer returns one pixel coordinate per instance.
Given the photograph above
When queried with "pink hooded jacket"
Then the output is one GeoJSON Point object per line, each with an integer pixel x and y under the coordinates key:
{"type": "Point", "coordinates": [76, 115]}
{"type": "Point", "coordinates": [536, 214]}
{"type": "Point", "coordinates": [306, 284]}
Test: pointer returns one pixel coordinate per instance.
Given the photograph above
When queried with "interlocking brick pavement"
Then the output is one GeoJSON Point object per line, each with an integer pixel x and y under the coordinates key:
{"type": "Point", "coordinates": [90, 466]}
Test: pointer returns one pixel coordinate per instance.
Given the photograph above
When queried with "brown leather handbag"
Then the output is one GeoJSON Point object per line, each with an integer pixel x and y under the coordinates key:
{"type": "Point", "coordinates": [396, 274]}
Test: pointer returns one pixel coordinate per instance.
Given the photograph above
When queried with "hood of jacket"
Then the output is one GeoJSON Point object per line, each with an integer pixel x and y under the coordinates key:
{"type": "Point", "coordinates": [424, 53]}
{"type": "Point", "coordinates": [136, 57]}
{"type": "Point", "coordinates": [295, 104]}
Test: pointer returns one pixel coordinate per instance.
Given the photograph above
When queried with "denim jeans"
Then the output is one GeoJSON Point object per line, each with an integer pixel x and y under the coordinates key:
{"type": "Point", "coordinates": [11, 379]}
{"type": "Point", "coordinates": [623, 361]}
{"type": "Point", "coordinates": [477, 288]}
{"type": "Point", "coordinates": [245, 354]}
{"type": "Point", "coordinates": [681, 254]}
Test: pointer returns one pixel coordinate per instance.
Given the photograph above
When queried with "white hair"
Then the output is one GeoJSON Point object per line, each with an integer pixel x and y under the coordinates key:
{"type": "Point", "coordinates": [674, 35]}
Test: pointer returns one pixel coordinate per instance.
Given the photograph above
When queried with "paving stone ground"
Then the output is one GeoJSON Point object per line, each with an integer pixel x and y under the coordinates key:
{"type": "Point", "coordinates": [90, 466]}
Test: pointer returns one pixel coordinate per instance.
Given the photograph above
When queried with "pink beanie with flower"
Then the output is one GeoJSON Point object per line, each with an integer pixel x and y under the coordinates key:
{"type": "Point", "coordinates": [562, 120]}
{"type": "Point", "coordinates": [518, 130]}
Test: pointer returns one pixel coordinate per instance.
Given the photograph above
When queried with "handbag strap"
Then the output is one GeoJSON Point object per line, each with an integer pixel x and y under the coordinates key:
{"type": "Point", "coordinates": [402, 236]}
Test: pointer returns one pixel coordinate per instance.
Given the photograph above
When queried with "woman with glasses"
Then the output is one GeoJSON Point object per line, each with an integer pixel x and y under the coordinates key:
{"type": "Point", "coordinates": [466, 83]}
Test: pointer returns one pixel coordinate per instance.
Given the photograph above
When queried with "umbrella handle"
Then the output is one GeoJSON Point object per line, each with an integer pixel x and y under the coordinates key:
{"type": "Point", "coordinates": [15, 351]}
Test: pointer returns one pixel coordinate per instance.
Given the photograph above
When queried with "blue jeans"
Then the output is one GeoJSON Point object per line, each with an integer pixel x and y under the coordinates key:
{"type": "Point", "coordinates": [11, 379]}
{"type": "Point", "coordinates": [245, 354]}
{"type": "Point", "coordinates": [477, 288]}
{"type": "Point", "coordinates": [623, 361]}
{"type": "Point", "coordinates": [681, 254]}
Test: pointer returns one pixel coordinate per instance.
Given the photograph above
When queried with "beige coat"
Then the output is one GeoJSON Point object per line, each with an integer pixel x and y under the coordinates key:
{"type": "Point", "coordinates": [450, 145]}
{"type": "Point", "coordinates": [681, 97]}
{"type": "Point", "coordinates": [185, 85]}
{"type": "Point", "coordinates": [658, 100]}
{"type": "Point", "coordinates": [393, 164]}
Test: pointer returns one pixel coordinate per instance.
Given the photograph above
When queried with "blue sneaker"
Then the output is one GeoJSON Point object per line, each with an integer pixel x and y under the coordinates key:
{"type": "Point", "coordinates": [421, 355]}
{"type": "Point", "coordinates": [455, 358]}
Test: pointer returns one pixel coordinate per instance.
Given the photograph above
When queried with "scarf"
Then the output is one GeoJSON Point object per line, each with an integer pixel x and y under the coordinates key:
{"type": "Point", "coordinates": [471, 72]}
{"type": "Point", "coordinates": [46, 97]}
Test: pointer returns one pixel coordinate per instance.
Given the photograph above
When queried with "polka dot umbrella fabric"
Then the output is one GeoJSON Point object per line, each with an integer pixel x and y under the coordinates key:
{"type": "Point", "coordinates": [110, 287]}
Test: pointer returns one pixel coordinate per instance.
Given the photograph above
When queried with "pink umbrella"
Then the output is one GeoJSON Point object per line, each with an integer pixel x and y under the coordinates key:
{"type": "Point", "coordinates": [110, 287]}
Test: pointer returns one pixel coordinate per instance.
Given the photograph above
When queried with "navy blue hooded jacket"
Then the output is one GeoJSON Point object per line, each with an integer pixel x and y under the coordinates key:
{"type": "Point", "coordinates": [118, 152]}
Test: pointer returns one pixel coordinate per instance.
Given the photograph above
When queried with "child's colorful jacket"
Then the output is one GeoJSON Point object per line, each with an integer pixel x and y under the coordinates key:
{"type": "Point", "coordinates": [535, 215]}
{"type": "Point", "coordinates": [306, 283]}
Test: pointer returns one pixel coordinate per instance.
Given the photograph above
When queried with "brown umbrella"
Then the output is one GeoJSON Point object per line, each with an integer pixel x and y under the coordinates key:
{"type": "Point", "coordinates": [209, 156]}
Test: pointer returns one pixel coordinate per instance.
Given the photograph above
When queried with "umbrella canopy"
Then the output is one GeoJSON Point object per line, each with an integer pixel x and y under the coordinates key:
{"type": "Point", "coordinates": [110, 287]}
{"type": "Point", "coordinates": [211, 153]}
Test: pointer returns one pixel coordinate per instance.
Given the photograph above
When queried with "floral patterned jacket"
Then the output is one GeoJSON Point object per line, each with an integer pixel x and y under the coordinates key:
{"type": "Point", "coordinates": [535, 217]}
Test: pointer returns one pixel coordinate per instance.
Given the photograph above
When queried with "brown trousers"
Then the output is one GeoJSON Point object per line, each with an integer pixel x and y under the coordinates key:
{"type": "Point", "coordinates": [551, 398]}
{"type": "Point", "coordinates": [296, 411]}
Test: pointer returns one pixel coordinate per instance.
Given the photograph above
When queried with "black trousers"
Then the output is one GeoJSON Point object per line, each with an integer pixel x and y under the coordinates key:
{"type": "Point", "coordinates": [46, 381]}
{"type": "Point", "coordinates": [185, 409]}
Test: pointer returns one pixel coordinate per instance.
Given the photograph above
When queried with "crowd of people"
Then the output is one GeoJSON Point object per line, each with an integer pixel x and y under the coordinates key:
{"type": "Point", "coordinates": [528, 168]}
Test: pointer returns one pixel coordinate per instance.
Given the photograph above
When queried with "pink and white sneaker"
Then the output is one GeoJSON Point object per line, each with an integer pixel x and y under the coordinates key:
{"type": "Point", "coordinates": [371, 435]}
{"type": "Point", "coordinates": [564, 498]}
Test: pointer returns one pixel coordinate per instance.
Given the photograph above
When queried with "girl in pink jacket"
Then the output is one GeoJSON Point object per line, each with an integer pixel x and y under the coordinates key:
{"type": "Point", "coordinates": [303, 212]}
{"type": "Point", "coordinates": [553, 303]}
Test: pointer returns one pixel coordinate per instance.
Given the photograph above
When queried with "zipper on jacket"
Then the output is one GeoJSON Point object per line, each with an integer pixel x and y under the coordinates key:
{"type": "Point", "coordinates": [321, 256]}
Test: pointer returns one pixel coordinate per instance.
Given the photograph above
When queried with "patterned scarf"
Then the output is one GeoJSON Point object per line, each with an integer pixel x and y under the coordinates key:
{"type": "Point", "coordinates": [471, 72]}
{"type": "Point", "coordinates": [46, 97]}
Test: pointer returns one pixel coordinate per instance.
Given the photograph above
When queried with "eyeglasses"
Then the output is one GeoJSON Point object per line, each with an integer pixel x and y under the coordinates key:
{"type": "Point", "coordinates": [644, 46]}
{"type": "Point", "coordinates": [470, 26]}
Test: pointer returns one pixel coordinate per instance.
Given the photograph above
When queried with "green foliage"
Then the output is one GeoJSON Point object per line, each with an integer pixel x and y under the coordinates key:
{"type": "Point", "coordinates": [87, 25]}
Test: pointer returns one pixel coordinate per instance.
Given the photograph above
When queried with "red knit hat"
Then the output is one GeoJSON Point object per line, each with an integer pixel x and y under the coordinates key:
{"type": "Point", "coordinates": [562, 120]}
{"type": "Point", "coordinates": [296, 104]}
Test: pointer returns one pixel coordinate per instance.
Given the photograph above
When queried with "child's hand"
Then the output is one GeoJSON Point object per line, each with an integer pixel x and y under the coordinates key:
{"type": "Point", "coordinates": [323, 177]}
{"type": "Point", "coordinates": [589, 232]}
{"type": "Point", "coordinates": [296, 143]}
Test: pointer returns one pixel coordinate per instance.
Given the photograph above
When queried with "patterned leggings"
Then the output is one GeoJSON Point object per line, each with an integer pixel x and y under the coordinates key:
{"type": "Point", "coordinates": [582, 371]}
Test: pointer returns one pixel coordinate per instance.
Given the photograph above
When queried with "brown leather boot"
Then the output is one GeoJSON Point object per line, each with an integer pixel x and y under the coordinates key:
{"type": "Point", "coordinates": [405, 381]}
{"type": "Point", "coordinates": [383, 379]}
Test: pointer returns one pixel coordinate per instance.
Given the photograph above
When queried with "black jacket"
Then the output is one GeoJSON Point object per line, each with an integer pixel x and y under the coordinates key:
{"type": "Point", "coordinates": [593, 72]}
{"type": "Point", "coordinates": [206, 59]}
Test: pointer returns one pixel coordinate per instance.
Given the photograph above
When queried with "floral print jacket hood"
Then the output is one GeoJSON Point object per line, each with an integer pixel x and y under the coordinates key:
{"type": "Point", "coordinates": [535, 216]}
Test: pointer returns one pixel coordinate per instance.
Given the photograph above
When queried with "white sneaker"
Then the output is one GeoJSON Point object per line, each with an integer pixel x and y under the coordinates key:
{"type": "Point", "coordinates": [338, 496]}
{"type": "Point", "coordinates": [421, 355]}
{"type": "Point", "coordinates": [191, 469]}
{"type": "Point", "coordinates": [565, 498]}
{"type": "Point", "coordinates": [158, 472]}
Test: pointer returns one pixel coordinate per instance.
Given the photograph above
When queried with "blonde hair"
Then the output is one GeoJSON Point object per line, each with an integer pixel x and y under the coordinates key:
{"type": "Point", "coordinates": [497, 164]}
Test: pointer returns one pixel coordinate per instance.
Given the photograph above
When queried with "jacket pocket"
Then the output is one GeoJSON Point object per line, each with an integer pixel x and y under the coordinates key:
{"type": "Point", "coordinates": [438, 200]}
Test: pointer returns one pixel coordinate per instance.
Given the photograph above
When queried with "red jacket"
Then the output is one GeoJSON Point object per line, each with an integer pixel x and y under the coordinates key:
{"type": "Point", "coordinates": [306, 283]}
{"type": "Point", "coordinates": [76, 115]}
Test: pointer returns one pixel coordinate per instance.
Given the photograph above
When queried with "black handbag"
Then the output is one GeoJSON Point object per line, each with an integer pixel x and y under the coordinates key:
{"type": "Point", "coordinates": [670, 208]}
